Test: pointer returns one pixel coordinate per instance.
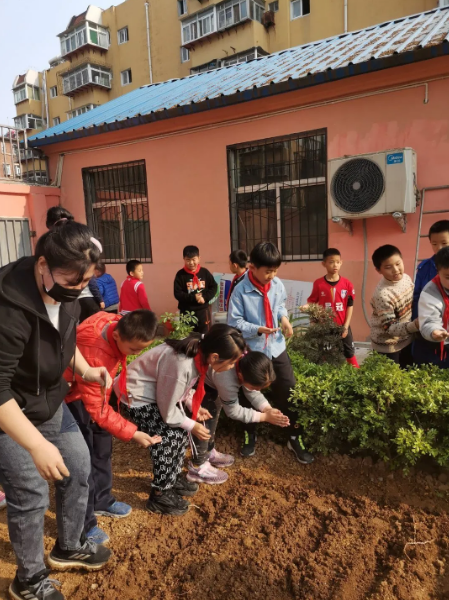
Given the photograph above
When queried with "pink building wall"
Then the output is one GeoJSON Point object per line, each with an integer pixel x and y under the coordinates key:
{"type": "Point", "coordinates": [188, 180]}
{"type": "Point", "coordinates": [20, 200]}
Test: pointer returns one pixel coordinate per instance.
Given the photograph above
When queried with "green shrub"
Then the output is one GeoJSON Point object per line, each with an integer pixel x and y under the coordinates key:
{"type": "Point", "coordinates": [398, 416]}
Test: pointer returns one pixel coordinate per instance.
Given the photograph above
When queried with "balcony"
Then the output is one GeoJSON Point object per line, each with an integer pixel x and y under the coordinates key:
{"type": "Point", "coordinates": [26, 92]}
{"type": "Point", "coordinates": [29, 122]}
{"type": "Point", "coordinates": [220, 18]}
{"type": "Point", "coordinates": [85, 76]}
{"type": "Point", "coordinates": [87, 34]}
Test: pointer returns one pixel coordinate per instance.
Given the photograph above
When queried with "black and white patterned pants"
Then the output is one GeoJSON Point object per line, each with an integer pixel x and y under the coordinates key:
{"type": "Point", "coordinates": [167, 456]}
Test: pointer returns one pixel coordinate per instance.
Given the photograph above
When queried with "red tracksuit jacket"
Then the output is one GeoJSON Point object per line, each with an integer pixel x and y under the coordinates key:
{"type": "Point", "coordinates": [133, 295]}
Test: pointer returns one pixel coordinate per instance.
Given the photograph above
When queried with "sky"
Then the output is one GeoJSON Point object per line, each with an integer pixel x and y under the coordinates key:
{"type": "Point", "coordinates": [29, 40]}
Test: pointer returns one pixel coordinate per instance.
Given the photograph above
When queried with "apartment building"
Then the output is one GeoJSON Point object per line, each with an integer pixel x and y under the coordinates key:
{"type": "Point", "coordinates": [107, 53]}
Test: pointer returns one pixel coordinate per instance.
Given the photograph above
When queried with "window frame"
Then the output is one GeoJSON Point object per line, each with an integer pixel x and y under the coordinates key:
{"type": "Point", "coordinates": [299, 3]}
{"type": "Point", "coordinates": [58, 119]}
{"type": "Point", "coordinates": [53, 91]}
{"type": "Point", "coordinates": [82, 36]}
{"type": "Point", "coordinates": [274, 6]}
{"type": "Point", "coordinates": [121, 201]}
{"type": "Point", "coordinates": [182, 8]}
{"type": "Point", "coordinates": [282, 240]}
{"type": "Point", "coordinates": [124, 41]}
{"type": "Point", "coordinates": [122, 78]}
{"type": "Point", "coordinates": [80, 110]}
{"type": "Point", "coordinates": [86, 77]}
{"type": "Point", "coordinates": [185, 52]}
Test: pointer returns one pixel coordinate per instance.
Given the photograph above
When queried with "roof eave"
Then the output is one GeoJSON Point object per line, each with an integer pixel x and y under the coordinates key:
{"type": "Point", "coordinates": [290, 85]}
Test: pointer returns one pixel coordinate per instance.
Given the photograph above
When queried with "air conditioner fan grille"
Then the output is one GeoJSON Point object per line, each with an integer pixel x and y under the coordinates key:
{"type": "Point", "coordinates": [357, 185]}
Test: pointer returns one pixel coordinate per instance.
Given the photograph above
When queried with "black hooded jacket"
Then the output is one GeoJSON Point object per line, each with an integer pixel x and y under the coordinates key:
{"type": "Point", "coordinates": [33, 354]}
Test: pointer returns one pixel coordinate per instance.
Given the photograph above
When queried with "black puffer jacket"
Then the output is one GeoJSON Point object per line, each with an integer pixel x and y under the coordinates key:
{"type": "Point", "coordinates": [33, 354]}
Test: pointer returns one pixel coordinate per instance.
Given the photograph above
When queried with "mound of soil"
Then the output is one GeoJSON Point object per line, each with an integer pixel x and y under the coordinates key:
{"type": "Point", "coordinates": [340, 529]}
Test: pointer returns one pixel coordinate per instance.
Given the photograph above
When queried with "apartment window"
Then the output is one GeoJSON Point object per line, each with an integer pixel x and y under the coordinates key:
{"type": "Point", "coordinates": [185, 55]}
{"type": "Point", "coordinates": [117, 210]}
{"type": "Point", "coordinates": [79, 111]}
{"type": "Point", "coordinates": [56, 121]}
{"type": "Point", "coordinates": [6, 170]}
{"type": "Point", "coordinates": [16, 240]}
{"type": "Point", "coordinates": [20, 94]}
{"type": "Point", "coordinates": [126, 77]}
{"type": "Point", "coordinates": [88, 33]}
{"type": "Point", "coordinates": [278, 193]}
{"type": "Point", "coordinates": [85, 75]}
{"type": "Point", "coordinates": [122, 35]}
{"type": "Point", "coordinates": [232, 12]}
{"type": "Point", "coordinates": [28, 122]}
{"type": "Point", "coordinates": [299, 8]}
{"type": "Point", "coordinates": [198, 26]}
{"type": "Point", "coordinates": [53, 91]}
{"type": "Point", "coordinates": [182, 7]}
{"type": "Point", "coordinates": [444, 3]}
{"type": "Point", "coordinates": [274, 6]}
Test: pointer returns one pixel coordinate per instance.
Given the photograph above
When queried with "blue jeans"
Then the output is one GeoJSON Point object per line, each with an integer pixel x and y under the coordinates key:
{"type": "Point", "coordinates": [27, 493]}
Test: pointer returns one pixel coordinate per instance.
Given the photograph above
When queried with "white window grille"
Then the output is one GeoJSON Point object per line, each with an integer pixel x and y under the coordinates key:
{"type": "Point", "coordinates": [122, 35]}
{"type": "Point", "coordinates": [299, 8]}
{"type": "Point", "coordinates": [126, 77]}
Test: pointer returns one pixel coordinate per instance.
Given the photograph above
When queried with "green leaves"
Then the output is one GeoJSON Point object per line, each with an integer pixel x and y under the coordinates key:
{"type": "Point", "coordinates": [399, 416]}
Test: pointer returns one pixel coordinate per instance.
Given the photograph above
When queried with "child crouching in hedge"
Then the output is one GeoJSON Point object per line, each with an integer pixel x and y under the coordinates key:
{"type": "Point", "coordinates": [433, 313]}
{"type": "Point", "coordinates": [159, 384]}
{"type": "Point", "coordinates": [253, 372]}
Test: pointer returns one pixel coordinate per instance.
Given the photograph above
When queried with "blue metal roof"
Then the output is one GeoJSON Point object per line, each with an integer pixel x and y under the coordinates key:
{"type": "Point", "coordinates": [418, 37]}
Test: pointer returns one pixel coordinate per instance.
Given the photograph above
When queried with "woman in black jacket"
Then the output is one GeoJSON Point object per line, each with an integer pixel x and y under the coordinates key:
{"type": "Point", "coordinates": [39, 439]}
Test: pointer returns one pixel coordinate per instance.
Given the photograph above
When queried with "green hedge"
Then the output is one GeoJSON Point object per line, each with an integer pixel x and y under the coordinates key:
{"type": "Point", "coordinates": [398, 416]}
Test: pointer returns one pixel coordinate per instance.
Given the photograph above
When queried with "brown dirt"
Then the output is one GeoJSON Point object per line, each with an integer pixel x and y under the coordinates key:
{"type": "Point", "coordinates": [338, 530]}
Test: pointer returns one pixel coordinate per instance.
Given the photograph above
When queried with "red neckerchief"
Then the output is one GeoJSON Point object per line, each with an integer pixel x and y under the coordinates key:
{"type": "Point", "coordinates": [195, 280]}
{"type": "Point", "coordinates": [437, 281]}
{"type": "Point", "coordinates": [200, 392]}
{"type": "Point", "coordinates": [121, 357]}
{"type": "Point", "coordinates": [264, 289]}
{"type": "Point", "coordinates": [232, 285]}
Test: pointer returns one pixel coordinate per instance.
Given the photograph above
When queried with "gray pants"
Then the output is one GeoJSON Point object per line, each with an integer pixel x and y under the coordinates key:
{"type": "Point", "coordinates": [203, 448]}
{"type": "Point", "coordinates": [27, 493]}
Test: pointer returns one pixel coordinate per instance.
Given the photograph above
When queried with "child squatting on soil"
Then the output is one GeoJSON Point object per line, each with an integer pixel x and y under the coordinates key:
{"type": "Point", "coordinates": [336, 292]}
{"type": "Point", "coordinates": [253, 372]}
{"type": "Point", "coordinates": [106, 339]}
{"type": "Point", "coordinates": [391, 326]}
{"type": "Point", "coordinates": [433, 310]}
{"type": "Point", "coordinates": [159, 384]}
{"type": "Point", "coordinates": [257, 308]}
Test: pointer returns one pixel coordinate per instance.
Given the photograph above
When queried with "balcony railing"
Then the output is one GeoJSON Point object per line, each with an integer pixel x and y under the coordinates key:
{"type": "Point", "coordinates": [87, 34]}
{"type": "Point", "coordinates": [17, 161]}
{"type": "Point", "coordinates": [29, 122]}
{"type": "Point", "coordinates": [84, 76]}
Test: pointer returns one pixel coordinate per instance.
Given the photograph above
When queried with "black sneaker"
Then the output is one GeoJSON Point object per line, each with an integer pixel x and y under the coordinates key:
{"type": "Point", "coordinates": [185, 488]}
{"type": "Point", "coordinates": [249, 444]}
{"type": "Point", "coordinates": [297, 447]}
{"type": "Point", "coordinates": [167, 502]}
{"type": "Point", "coordinates": [90, 556]}
{"type": "Point", "coordinates": [39, 587]}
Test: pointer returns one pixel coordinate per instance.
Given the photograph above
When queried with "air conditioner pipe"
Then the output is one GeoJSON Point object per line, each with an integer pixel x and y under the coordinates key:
{"type": "Point", "coordinates": [147, 14]}
{"type": "Point", "coordinates": [346, 15]}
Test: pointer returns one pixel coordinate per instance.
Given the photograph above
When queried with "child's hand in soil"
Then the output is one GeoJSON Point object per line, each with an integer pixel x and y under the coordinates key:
{"type": "Point", "coordinates": [145, 440]}
{"type": "Point", "coordinates": [287, 328]}
{"type": "Point", "coordinates": [345, 333]}
{"type": "Point", "coordinates": [439, 335]}
{"type": "Point", "coordinates": [201, 432]}
{"type": "Point", "coordinates": [275, 417]}
{"type": "Point", "coordinates": [203, 414]}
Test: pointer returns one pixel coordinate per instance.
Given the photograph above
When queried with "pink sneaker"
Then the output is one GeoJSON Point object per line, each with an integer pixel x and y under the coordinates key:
{"type": "Point", "coordinates": [2, 500]}
{"type": "Point", "coordinates": [206, 473]}
{"type": "Point", "coordinates": [220, 460]}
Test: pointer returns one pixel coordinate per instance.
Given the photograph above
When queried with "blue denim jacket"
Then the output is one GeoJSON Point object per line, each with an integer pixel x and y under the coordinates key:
{"type": "Point", "coordinates": [246, 312]}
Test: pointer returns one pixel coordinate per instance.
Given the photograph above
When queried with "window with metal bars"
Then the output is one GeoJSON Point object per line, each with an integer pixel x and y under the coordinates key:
{"type": "Point", "coordinates": [117, 210]}
{"type": "Point", "coordinates": [278, 193]}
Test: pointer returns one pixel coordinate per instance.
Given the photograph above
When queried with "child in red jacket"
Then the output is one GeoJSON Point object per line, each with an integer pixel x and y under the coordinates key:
{"type": "Point", "coordinates": [107, 340]}
{"type": "Point", "coordinates": [132, 294]}
{"type": "Point", "coordinates": [336, 292]}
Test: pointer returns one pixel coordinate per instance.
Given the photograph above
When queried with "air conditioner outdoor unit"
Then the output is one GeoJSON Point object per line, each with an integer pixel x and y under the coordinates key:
{"type": "Point", "coordinates": [372, 185]}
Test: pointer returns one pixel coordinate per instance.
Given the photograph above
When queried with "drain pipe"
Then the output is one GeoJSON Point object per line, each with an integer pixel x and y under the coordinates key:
{"type": "Point", "coordinates": [346, 16]}
{"type": "Point", "coordinates": [147, 13]}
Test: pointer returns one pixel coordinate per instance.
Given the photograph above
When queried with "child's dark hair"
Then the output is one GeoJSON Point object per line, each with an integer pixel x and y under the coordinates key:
{"type": "Point", "coordinates": [138, 325]}
{"type": "Point", "coordinates": [257, 369]}
{"type": "Point", "coordinates": [442, 258]}
{"type": "Point", "coordinates": [384, 253]}
{"type": "Point", "coordinates": [68, 246]}
{"type": "Point", "coordinates": [331, 252]}
{"type": "Point", "coordinates": [55, 214]}
{"type": "Point", "coordinates": [132, 265]}
{"type": "Point", "coordinates": [190, 252]}
{"type": "Point", "coordinates": [239, 257]}
{"type": "Point", "coordinates": [265, 254]}
{"type": "Point", "coordinates": [221, 339]}
{"type": "Point", "coordinates": [101, 267]}
{"type": "Point", "coordinates": [439, 227]}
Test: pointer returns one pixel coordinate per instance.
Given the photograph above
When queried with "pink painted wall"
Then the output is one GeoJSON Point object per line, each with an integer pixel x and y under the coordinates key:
{"type": "Point", "coordinates": [20, 200]}
{"type": "Point", "coordinates": [187, 173]}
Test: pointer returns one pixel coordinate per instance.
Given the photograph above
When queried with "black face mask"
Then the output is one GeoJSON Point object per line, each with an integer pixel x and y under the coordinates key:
{"type": "Point", "coordinates": [60, 293]}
